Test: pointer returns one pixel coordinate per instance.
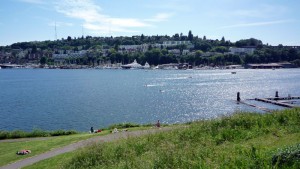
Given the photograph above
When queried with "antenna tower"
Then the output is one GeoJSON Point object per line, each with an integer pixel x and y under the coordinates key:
{"type": "Point", "coordinates": [55, 32]}
{"type": "Point", "coordinates": [82, 31]}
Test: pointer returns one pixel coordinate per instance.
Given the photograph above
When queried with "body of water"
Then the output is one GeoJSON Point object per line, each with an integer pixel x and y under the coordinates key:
{"type": "Point", "coordinates": [78, 99]}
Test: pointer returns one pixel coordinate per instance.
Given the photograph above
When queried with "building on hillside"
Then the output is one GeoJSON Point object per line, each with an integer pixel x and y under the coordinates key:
{"type": "Point", "coordinates": [175, 52]}
{"type": "Point", "coordinates": [264, 66]}
{"type": "Point", "coordinates": [177, 43]}
{"type": "Point", "coordinates": [287, 65]}
{"type": "Point", "coordinates": [241, 51]}
{"type": "Point", "coordinates": [133, 48]}
{"type": "Point", "coordinates": [60, 58]}
{"type": "Point", "coordinates": [208, 54]}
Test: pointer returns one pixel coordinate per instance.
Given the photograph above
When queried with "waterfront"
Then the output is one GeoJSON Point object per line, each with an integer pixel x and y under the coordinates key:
{"type": "Point", "coordinates": [79, 99]}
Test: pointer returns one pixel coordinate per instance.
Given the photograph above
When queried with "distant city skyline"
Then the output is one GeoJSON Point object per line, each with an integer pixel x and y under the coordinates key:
{"type": "Point", "coordinates": [273, 22]}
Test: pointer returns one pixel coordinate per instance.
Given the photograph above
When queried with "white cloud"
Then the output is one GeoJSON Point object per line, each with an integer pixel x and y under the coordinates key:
{"type": "Point", "coordinates": [262, 11]}
{"type": "Point", "coordinates": [33, 1]}
{"type": "Point", "coordinates": [160, 17]}
{"type": "Point", "coordinates": [256, 24]}
{"type": "Point", "coordinates": [60, 24]}
{"type": "Point", "coordinates": [173, 5]}
{"type": "Point", "coordinates": [94, 19]}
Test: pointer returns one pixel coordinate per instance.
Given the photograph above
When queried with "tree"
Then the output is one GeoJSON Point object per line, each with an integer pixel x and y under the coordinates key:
{"type": "Point", "coordinates": [43, 60]}
{"type": "Point", "coordinates": [220, 49]}
{"type": "Point", "coordinates": [176, 36]}
{"type": "Point", "coordinates": [190, 36]}
{"type": "Point", "coordinates": [69, 38]}
{"type": "Point", "coordinates": [223, 40]}
{"type": "Point", "coordinates": [34, 49]}
{"type": "Point", "coordinates": [142, 37]}
{"type": "Point", "coordinates": [204, 46]}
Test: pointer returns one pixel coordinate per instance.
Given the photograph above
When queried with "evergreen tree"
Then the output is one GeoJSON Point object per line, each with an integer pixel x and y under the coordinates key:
{"type": "Point", "coordinates": [190, 36]}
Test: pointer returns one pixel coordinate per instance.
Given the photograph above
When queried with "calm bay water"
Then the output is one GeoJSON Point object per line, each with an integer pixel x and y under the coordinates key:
{"type": "Point", "coordinates": [79, 99]}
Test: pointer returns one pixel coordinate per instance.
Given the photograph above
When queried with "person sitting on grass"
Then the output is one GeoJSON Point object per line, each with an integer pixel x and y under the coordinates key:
{"type": "Point", "coordinates": [158, 124]}
{"type": "Point", "coordinates": [23, 152]}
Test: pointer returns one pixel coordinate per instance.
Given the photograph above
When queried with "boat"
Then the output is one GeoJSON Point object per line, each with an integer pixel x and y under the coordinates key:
{"type": "Point", "coordinates": [233, 72]}
{"type": "Point", "coordinates": [133, 65]}
{"type": "Point", "coordinates": [146, 66]}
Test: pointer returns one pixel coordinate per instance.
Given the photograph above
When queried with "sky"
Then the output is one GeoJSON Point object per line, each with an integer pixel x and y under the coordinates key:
{"type": "Point", "coordinates": [272, 21]}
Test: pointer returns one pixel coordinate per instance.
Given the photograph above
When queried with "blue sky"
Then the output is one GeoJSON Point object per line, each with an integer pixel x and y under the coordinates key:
{"type": "Point", "coordinates": [272, 21]}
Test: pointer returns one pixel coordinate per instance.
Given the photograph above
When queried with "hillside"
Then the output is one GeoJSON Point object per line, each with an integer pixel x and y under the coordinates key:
{"type": "Point", "coordinates": [158, 49]}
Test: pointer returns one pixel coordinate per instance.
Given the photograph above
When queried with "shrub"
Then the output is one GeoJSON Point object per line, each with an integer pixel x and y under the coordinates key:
{"type": "Point", "coordinates": [4, 135]}
{"type": "Point", "coordinates": [34, 133]}
{"type": "Point", "coordinates": [123, 125]}
{"type": "Point", "coordinates": [287, 157]}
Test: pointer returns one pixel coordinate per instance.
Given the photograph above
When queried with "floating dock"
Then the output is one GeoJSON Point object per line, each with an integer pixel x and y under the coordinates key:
{"type": "Point", "coordinates": [274, 101]}
{"type": "Point", "coordinates": [258, 107]}
{"type": "Point", "coordinates": [279, 101]}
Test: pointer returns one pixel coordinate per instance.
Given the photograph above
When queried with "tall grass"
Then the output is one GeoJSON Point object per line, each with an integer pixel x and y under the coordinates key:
{"type": "Point", "coordinates": [219, 143]}
{"type": "Point", "coordinates": [34, 133]}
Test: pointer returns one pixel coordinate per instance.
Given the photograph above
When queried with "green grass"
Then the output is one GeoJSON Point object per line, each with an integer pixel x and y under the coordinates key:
{"type": "Point", "coordinates": [34, 133]}
{"type": "Point", "coordinates": [9, 149]}
{"type": "Point", "coordinates": [244, 140]}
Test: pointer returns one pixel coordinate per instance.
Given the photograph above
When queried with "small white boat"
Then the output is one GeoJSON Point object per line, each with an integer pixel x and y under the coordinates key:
{"type": "Point", "coordinates": [146, 66]}
{"type": "Point", "coordinates": [133, 65]}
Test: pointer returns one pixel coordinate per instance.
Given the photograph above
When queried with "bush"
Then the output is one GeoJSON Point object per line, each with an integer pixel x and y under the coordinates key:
{"type": "Point", "coordinates": [34, 133]}
{"type": "Point", "coordinates": [288, 157]}
{"type": "Point", "coordinates": [123, 125]}
{"type": "Point", "coordinates": [4, 135]}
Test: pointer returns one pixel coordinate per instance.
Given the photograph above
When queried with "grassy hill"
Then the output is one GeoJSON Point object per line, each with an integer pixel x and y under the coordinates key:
{"type": "Point", "coordinates": [243, 140]}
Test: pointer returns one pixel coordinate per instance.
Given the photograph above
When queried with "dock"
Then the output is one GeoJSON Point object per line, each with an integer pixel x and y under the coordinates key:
{"type": "Point", "coordinates": [258, 107]}
{"type": "Point", "coordinates": [274, 101]}
{"type": "Point", "coordinates": [279, 101]}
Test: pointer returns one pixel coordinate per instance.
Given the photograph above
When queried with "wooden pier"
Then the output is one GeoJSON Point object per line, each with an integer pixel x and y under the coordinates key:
{"type": "Point", "coordinates": [274, 101]}
{"type": "Point", "coordinates": [283, 98]}
{"type": "Point", "coordinates": [258, 107]}
{"type": "Point", "coordinates": [279, 101]}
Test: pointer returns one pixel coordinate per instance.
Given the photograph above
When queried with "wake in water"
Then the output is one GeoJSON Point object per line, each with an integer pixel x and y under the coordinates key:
{"type": "Point", "coordinates": [153, 85]}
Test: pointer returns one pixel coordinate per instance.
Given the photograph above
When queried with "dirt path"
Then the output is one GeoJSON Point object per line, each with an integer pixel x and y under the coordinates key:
{"type": "Point", "coordinates": [74, 146]}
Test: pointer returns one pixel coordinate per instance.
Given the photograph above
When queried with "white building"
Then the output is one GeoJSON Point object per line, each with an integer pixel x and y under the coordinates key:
{"type": "Point", "coordinates": [134, 48]}
{"type": "Point", "coordinates": [176, 43]}
{"type": "Point", "coordinates": [61, 57]}
{"type": "Point", "coordinates": [234, 50]}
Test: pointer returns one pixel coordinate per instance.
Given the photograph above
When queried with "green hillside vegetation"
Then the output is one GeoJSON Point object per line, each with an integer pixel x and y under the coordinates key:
{"type": "Point", "coordinates": [103, 50]}
{"type": "Point", "coordinates": [243, 140]}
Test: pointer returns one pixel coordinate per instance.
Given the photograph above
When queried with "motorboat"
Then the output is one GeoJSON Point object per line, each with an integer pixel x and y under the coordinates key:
{"type": "Point", "coordinates": [133, 65]}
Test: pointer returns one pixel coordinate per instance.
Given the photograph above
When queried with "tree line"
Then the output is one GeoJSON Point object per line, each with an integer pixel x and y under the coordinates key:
{"type": "Point", "coordinates": [198, 55]}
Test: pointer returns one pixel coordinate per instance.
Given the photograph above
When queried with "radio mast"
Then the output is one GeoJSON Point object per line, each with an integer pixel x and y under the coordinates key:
{"type": "Point", "coordinates": [55, 32]}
